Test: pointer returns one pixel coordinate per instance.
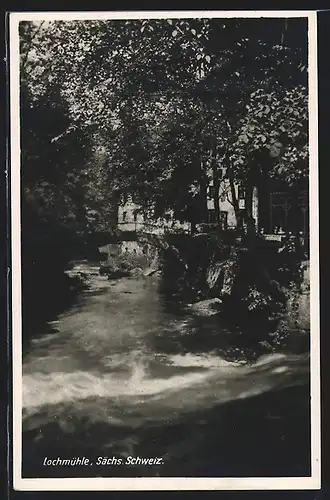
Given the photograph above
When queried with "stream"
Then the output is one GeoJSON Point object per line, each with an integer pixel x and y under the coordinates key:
{"type": "Point", "coordinates": [122, 374]}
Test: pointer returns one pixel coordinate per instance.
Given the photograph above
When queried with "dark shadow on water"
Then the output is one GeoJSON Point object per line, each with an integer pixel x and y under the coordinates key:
{"type": "Point", "coordinates": [42, 306]}
{"type": "Point", "coordinates": [208, 334]}
{"type": "Point", "coordinates": [266, 435]}
{"type": "Point", "coordinates": [202, 334]}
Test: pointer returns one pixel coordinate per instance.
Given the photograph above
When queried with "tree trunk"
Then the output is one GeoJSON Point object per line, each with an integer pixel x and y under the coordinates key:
{"type": "Point", "coordinates": [216, 186]}
{"type": "Point", "coordinates": [250, 222]}
{"type": "Point", "coordinates": [203, 194]}
{"type": "Point", "coordinates": [234, 197]}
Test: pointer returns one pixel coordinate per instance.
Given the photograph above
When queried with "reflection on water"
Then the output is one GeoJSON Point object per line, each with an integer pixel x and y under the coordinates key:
{"type": "Point", "coordinates": [121, 376]}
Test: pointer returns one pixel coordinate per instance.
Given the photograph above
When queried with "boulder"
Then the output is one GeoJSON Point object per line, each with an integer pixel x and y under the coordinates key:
{"type": "Point", "coordinates": [150, 271]}
{"type": "Point", "coordinates": [298, 305]}
{"type": "Point", "coordinates": [298, 310]}
{"type": "Point", "coordinates": [215, 275]}
{"type": "Point", "coordinates": [207, 307]}
{"type": "Point", "coordinates": [137, 271]}
{"type": "Point", "coordinates": [221, 276]}
{"type": "Point", "coordinates": [105, 270]}
{"type": "Point", "coordinates": [118, 273]}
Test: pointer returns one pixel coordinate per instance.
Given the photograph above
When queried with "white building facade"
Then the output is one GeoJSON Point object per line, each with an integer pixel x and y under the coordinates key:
{"type": "Point", "coordinates": [227, 211]}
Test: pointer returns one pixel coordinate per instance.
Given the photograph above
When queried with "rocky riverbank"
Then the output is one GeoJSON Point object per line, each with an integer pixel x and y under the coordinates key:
{"type": "Point", "coordinates": [261, 292]}
{"type": "Point", "coordinates": [126, 265]}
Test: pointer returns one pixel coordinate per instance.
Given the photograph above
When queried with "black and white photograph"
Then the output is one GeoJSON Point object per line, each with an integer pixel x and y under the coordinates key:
{"type": "Point", "coordinates": [164, 239]}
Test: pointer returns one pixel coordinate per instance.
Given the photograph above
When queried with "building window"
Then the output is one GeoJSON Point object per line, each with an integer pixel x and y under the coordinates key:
{"type": "Point", "coordinates": [223, 218]}
{"type": "Point", "coordinates": [241, 193]}
{"type": "Point", "coordinates": [241, 217]}
{"type": "Point", "coordinates": [212, 192]}
{"type": "Point", "coordinates": [124, 216]}
{"type": "Point", "coordinates": [212, 216]}
{"type": "Point", "coordinates": [135, 214]}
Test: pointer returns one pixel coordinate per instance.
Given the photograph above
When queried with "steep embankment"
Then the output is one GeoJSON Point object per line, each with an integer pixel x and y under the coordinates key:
{"type": "Point", "coordinates": [263, 291]}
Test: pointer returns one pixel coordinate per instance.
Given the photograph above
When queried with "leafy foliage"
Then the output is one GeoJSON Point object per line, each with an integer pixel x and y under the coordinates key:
{"type": "Point", "coordinates": [155, 110]}
{"type": "Point", "coordinates": [171, 103]}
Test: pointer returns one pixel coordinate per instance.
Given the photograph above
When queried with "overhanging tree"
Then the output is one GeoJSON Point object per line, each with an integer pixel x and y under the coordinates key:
{"type": "Point", "coordinates": [173, 100]}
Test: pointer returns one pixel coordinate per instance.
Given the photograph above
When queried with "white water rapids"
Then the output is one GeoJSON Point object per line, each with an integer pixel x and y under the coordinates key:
{"type": "Point", "coordinates": [112, 370]}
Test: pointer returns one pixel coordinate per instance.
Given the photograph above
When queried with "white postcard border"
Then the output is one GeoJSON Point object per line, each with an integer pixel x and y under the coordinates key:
{"type": "Point", "coordinates": [153, 483]}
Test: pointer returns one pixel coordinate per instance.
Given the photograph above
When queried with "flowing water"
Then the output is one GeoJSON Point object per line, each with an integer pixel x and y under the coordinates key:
{"type": "Point", "coordinates": [121, 374]}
